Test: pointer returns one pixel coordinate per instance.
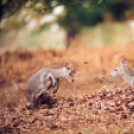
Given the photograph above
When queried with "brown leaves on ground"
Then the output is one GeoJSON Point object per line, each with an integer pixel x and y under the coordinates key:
{"type": "Point", "coordinates": [101, 112]}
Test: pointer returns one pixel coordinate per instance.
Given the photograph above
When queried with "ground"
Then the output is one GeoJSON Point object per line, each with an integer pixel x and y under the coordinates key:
{"type": "Point", "coordinates": [94, 103]}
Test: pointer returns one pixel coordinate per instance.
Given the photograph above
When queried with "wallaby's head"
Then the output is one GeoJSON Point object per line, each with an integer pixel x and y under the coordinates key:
{"type": "Point", "coordinates": [120, 71]}
{"type": "Point", "coordinates": [68, 73]}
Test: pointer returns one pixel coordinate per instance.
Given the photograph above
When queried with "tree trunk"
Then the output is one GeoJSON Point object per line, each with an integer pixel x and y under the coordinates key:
{"type": "Point", "coordinates": [71, 35]}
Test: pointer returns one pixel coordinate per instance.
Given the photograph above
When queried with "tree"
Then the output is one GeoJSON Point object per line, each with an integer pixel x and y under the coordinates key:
{"type": "Point", "coordinates": [78, 13]}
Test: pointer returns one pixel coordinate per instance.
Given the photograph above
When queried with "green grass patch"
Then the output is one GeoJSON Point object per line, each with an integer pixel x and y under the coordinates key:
{"type": "Point", "coordinates": [86, 111]}
{"type": "Point", "coordinates": [87, 130]}
{"type": "Point", "coordinates": [121, 128]}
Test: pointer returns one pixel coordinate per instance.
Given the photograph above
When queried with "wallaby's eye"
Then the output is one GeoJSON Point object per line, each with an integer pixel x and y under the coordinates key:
{"type": "Point", "coordinates": [116, 70]}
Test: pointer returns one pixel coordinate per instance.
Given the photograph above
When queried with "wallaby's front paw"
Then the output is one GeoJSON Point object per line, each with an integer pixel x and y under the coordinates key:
{"type": "Point", "coordinates": [72, 80]}
{"type": "Point", "coordinates": [34, 106]}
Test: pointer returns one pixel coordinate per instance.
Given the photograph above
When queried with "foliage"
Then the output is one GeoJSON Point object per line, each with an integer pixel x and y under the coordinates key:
{"type": "Point", "coordinates": [77, 7]}
{"type": "Point", "coordinates": [78, 16]}
{"type": "Point", "coordinates": [77, 13]}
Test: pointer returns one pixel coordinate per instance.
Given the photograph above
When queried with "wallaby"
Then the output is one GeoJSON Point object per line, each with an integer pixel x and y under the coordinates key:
{"type": "Point", "coordinates": [124, 72]}
{"type": "Point", "coordinates": [42, 80]}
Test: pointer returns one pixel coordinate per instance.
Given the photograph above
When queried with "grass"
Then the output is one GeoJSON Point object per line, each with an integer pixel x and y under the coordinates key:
{"type": "Point", "coordinates": [86, 131]}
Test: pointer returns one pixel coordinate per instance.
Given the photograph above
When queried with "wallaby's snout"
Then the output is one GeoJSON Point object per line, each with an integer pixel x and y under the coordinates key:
{"type": "Point", "coordinates": [120, 71]}
{"type": "Point", "coordinates": [72, 80]}
{"type": "Point", "coordinates": [115, 73]}
{"type": "Point", "coordinates": [72, 74]}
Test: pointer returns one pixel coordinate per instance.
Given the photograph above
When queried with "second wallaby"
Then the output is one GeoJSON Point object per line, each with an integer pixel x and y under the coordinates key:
{"type": "Point", "coordinates": [124, 72]}
{"type": "Point", "coordinates": [42, 80]}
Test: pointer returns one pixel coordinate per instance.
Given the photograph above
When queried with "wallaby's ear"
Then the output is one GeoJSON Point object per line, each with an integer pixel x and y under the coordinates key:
{"type": "Point", "coordinates": [70, 66]}
{"type": "Point", "coordinates": [121, 63]}
{"type": "Point", "coordinates": [66, 66]}
{"type": "Point", "coordinates": [126, 62]}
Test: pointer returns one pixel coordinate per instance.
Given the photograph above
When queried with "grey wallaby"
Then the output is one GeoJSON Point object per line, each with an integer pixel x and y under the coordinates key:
{"type": "Point", "coordinates": [42, 80]}
{"type": "Point", "coordinates": [124, 72]}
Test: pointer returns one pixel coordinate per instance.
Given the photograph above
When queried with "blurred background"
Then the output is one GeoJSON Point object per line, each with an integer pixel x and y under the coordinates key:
{"type": "Point", "coordinates": [59, 24]}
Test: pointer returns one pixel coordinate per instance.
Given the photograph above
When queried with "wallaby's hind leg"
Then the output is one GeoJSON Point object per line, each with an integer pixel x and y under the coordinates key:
{"type": "Point", "coordinates": [52, 78]}
{"type": "Point", "coordinates": [34, 106]}
{"type": "Point", "coordinates": [45, 77]}
{"type": "Point", "coordinates": [57, 84]}
{"type": "Point", "coordinates": [34, 103]}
